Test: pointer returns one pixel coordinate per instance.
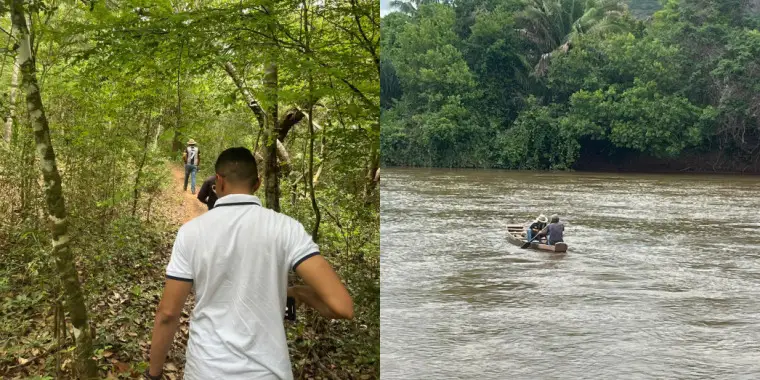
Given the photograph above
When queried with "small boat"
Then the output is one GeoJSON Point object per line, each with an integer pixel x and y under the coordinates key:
{"type": "Point", "coordinates": [516, 236]}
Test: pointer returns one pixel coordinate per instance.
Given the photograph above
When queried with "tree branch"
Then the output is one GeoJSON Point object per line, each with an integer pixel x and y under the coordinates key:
{"type": "Point", "coordinates": [370, 46]}
{"type": "Point", "coordinates": [291, 118]}
{"type": "Point", "coordinates": [252, 103]}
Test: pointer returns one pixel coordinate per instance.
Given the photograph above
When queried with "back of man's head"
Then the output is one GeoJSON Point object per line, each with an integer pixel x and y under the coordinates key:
{"type": "Point", "coordinates": [238, 167]}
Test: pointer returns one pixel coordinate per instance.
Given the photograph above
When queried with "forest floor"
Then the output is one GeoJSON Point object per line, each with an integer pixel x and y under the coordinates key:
{"type": "Point", "coordinates": [186, 207]}
{"type": "Point", "coordinates": [182, 207]}
{"type": "Point", "coordinates": [122, 302]}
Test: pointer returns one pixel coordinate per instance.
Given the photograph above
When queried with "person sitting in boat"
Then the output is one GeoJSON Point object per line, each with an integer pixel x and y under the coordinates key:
{"type": "Point", "coordinates": [536, 227]}
{"type": "Point", "coordinates": [554, 231]}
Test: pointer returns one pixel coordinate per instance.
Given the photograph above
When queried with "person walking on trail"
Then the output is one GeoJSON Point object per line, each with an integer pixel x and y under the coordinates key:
{"type": "Point", "coordinates": [192, 159]}
{"type": "Point", "coordinates": [207, 193]}
{"type": "Point", "coordinates": [554, 231]}
{"type": "Point", "coordinates": [236, 258]}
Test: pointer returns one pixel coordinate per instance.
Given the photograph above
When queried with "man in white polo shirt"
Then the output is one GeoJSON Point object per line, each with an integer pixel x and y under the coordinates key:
{"type": "Point", "coordinates": [237, 257]}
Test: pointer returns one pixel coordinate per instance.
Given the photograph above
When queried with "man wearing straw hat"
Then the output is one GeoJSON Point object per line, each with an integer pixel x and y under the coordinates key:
{"type": "Point", "coordinates": [192, 159]}
{"type": "Point", "coordinates": [536, 227]}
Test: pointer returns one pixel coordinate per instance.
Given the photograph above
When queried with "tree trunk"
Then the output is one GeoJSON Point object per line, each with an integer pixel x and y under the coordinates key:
{"type": "Point", "coordinates": [56, 208]}
{"type": "Point", "coordinates": [266, 123]}
{"type": "Point", "coordinates": [317, 214]}
{"type": "Point", "coordinates": [322, 144]}
{"type": "Point", "coordinates": [158, 134]}
{"type": "Point", "coordinates": [282, 155]}
{"type": "Point", "coordinates": [272, 168]}
{"type": "Point", "coordinates": [253, 104]}
{"type": "Point", "coordinates": [373, 165]}
{"type": "Point", "coordinates": [176, 144]}
{"type": "Point", "coordinates": [314, 205]}
{"type": "Point", "coordinates": [140, 167]}
{"type": "Point", "coordinates": [8, 134]}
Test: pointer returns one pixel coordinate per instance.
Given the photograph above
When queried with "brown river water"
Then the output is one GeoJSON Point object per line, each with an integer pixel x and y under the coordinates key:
{"type": "Point", "coordinates": [661, 279]}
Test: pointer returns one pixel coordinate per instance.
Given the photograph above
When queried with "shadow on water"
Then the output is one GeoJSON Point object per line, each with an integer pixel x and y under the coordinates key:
{"type": "Point", "coordinates": [661, 279]}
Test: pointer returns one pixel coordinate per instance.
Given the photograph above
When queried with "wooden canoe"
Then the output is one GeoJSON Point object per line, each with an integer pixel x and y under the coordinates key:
{"type": "Point", "coordinates": [516, 236]}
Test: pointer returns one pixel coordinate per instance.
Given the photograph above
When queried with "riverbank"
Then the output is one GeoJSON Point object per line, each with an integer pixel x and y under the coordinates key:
{"type": "Point", "coordinates": [712, 163]}
{"type": "Point", "coordinates": [689, 162]}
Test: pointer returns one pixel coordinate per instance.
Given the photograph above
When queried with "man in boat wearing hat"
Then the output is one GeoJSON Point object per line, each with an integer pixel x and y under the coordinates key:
{"type": "Point", "coordinates": [554, 231]}
{"type": "Point", "coordinates": [536, 227]}
{"type": "Point", "coordinates": [192, 159]}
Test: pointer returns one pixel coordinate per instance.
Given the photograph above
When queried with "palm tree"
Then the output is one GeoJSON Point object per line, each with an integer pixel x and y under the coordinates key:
{"type": "Point", "coordinates": [553, 25]}
{"type": "Point", "coordinates": [410, 7]}
{"type": "Point", "coordinates": [406, 7]}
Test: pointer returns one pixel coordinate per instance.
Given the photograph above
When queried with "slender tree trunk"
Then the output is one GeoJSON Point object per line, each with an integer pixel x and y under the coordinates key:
{"type": "Point", "coordinates": [176, 144]}
{"type": "Point", "coordinates": [56, 208]}
{"type": "Point", "coordinates": [272, 171]}
{"type": "Point", "coordinates": [322, 156]}
{"type": "Point", "coordinates": [155, 140]}
{"type": "Point", "coordinates": [261, 117]}
{"type": "Point", "coordinates": [282, 155]}
{"type": "Point", "coordinates": [140, 167]}
{"type": "Point", "coordinates": [373, 165]}
{"type": "Point", "coordinates": [314, 205]}
{"type": "Point", "coordinates": [26, 187]}
{"type": "Point", "coordinates": [273, 148]}
{"type": "Point", "coordinates": [8, 134]}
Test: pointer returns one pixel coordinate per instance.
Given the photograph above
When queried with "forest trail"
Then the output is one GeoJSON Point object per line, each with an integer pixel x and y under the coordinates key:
{"type": "Point", "coordinates": [184, 206]}
{"type": "Point", "coordinates": [188, 205]}
{"type": "Point", "coordinates": [117, 149]}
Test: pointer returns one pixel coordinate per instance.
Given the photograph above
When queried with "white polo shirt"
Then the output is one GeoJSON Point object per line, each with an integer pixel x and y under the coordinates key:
{"type": "Point", "coordinates": [238, 256]}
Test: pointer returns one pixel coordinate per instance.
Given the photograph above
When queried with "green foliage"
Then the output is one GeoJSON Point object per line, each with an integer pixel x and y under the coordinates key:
{"type": "Point", "coordinates": [124, 85]}
{"type": "Point", "coordinates": [638, 118]}
{"type": "Point", "coordinates": [539, 140]}
{"type": "Point", "coordinates": [644, 8]}
{"type": "Point", "coordinates": [428, 64]}
{"type": "Point", "coordinates": [554, 81]}
{"type": "Point", "coordinates": [550, 23]}
{"type": "Point", "coordinates": [493, 50]}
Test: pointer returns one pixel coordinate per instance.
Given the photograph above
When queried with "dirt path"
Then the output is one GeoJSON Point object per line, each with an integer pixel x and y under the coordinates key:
{"type": "Point", "coordinates": [188, 205]}
{"type": "Point", "coordinates": [182, 207]}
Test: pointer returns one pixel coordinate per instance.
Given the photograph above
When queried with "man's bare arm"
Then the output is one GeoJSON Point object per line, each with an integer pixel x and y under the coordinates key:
{"type": "Point", "coordinates": [166, 322]}
{"type": "Point", "coordinates": [306, 294]}
{"type": "Point", "coordinates": [327, 294]}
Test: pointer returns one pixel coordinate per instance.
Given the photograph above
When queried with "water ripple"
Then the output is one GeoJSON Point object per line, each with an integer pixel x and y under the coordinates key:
{"type": "Point", "coordinates": [661, 281]}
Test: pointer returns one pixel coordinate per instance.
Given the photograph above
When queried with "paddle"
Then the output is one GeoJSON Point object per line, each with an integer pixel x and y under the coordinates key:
{"type": "Point", "coordinates": [526, 245]}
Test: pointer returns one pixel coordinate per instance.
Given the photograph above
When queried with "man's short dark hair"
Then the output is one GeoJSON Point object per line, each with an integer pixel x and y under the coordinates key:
{"type": "Point", "coordinates": [238, 166]}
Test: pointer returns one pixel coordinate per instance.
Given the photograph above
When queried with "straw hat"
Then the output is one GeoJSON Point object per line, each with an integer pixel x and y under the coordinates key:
{"type": "Point", "coordinates": [191, 142]}
{"type": "Point", "coordinates": [542, 219]}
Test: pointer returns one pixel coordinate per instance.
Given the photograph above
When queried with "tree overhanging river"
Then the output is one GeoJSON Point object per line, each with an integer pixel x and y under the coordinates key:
{"type": "Point", "coordinates": [661, 279]}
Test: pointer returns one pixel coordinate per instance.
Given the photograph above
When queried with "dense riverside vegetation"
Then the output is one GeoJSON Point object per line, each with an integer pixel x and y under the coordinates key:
{"type": "Point", "coordinates": [99, 99]}
{"type": "Point", "coordinates": [562, 84]}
